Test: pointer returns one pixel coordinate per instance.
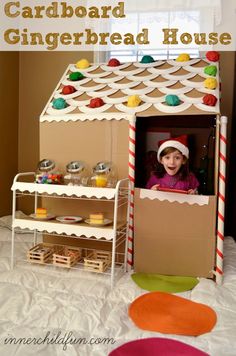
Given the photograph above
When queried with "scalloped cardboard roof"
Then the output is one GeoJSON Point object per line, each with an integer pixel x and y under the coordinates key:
{"type": "Point", "coordinates": [152, 82]}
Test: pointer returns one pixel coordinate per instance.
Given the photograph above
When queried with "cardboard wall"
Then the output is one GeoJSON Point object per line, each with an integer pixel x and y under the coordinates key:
{"type": "Point", "coordinates": [9, 92]}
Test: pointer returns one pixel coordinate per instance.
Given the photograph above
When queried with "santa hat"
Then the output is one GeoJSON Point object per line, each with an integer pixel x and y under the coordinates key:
{"type": "Point", "coordinates": [180, 143]}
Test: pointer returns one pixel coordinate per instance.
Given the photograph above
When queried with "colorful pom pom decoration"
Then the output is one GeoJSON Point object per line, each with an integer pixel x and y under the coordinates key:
{"type": "Point", "coordinates": [75, 76]}
{"type": "Point", "coordinates": [68, 89]}
{"type": "Point", "coordinates": [172, 100]}
{"type": "Point", "coordinates": [211, 70]}
{"type": "Point", "coordinates": [213, 56]}
{"type": "Point", "coordinates": [113, 62]}
{"type": "Point", "coordinates": [147, 59]}
{"type": "Point", "coordinates": [96, 103]}
{"type": "Point", "coordinates": [133, 101]}
{"type": "Point", "coordinates": [183, 57]}
{"type": "Point", "coordinates": [210, 83]}
{"type": "Point", "coordinates": [209, 100]}
{"type": "Point", "coordinates": [82, 64]}
{"type": "Point", "coordinates": [59, 103]}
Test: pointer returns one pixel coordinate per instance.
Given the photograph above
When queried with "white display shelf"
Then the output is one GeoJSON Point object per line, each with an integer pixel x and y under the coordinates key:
{"type": "Point", "coordinates": [81, 229]}
{"type": "Point", "coordinates": [78, 191]}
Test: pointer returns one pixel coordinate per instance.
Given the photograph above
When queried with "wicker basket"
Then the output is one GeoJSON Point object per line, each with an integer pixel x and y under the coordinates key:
{"type": "Point", "coordinates": [41, 253]}
{"type": "Point", "coordinates": [97, 261]}
{"type": "Point", "coordinates": [67, 256]}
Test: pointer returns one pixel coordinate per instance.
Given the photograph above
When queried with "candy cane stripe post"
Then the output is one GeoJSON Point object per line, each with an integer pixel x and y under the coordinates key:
{"type": "Point", "coordinates": [131, 200]}
{"type": "Point", "coordinates": [221, 200]}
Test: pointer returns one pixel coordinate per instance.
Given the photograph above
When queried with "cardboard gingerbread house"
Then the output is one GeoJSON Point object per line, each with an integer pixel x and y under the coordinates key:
{"type": "Point", "coordinates": [169, 233]}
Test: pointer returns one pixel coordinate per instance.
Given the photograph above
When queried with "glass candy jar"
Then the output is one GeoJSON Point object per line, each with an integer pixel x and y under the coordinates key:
{"type": "Point", "coordinates": [76, 173]}
{"type": "Point", "coordinates": [46, 174]}
{"type": "Point", "coordinates": [104, 175]}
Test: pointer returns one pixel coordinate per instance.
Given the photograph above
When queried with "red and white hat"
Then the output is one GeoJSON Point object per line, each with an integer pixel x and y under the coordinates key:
{"type": "Point", "coordinates": [180, 143]}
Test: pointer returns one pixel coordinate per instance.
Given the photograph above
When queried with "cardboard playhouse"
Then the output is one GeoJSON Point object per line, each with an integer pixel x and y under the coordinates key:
{"type": "Point", "coordinates": [169, 233]}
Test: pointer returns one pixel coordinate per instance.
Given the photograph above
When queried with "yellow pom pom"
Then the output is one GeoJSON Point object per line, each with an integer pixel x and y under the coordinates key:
{"type": "Point", "coordinates": [184, 57]}
{"type": "Point", "coordinates": [210, 83]}
{"type": "Point", "coordinates": [82, 64]}
{"type": "Point", "coordinates": [133, 101]}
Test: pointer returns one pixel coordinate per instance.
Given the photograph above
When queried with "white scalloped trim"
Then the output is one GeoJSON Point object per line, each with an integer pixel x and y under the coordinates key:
{"type": "Point", "coordinates": [168, 83]}
{"type": "Point", "coordinates": [51, 111]}
{"type": "Point", "coordinates": [95, 87]}
{"type": "Point", "coordinates": [172, 109]}
{"type": "Point", "coordinates": [73, 68]}
{"type": "Point", "coordinates": [152, 100]}
{"type": "Point", "coordinates": [95, 94]}
{"type": "Point", "coordinates": [86, 109]}
{"type": "Point", "coordinates": [129, 110]}
{"type": "Point", "coordinates": [208, 91]}
{"type": "Point", "coordinates": [178, 77]}
{"type": "Point", "coordinates": [203, 107]}
{"type": "Point", "coordinates": [78, 103]}
{"type": "Point", "coordinates": [173, 62]}
{"type": "Point", "coordinates": [108, 80]}
{"type": "Point", "coordinates": [173, 91]}
{"type": "Point", "coordinates": [66, 229]}
{"type": "Point", "coordinates": [148, 65]}
{"type": "Point", "coordinates": [88, 117]}
{"type": "Point", "coordinates": [142, 91]}
{"type": "Point", "coordinates": [192, 84]}
{"type": "Point", "coordinates": [113, 101]}
{"type": "Point", "coordinates": [97, 75]}
{"type": "Point", "coordinates": [75, 83]}
{"type": "Point", "coordinates": [130, 72]}
{"type": "Point", "coordinates": [189, 100]}
{"type": "Point", "coordinates": [174, 197]}
{"type": "Point", "coordinates": [159, 71]}
{"type": "Point", "coordinates": [142, 78]}
{"type": "Point", "coordinates": [113, 69]}
{"type": "Point", "coordinates": [67, 96]}
{"type": "Point", "coordinates": [124, 85]}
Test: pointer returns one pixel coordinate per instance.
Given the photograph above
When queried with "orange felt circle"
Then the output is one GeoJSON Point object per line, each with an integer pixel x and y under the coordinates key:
{"type": "Point", "coordinates": [170, 314]}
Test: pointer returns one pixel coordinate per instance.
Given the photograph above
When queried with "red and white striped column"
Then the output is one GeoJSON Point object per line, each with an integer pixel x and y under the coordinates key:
{"type": "Point", "coordinates": [132, 130]}
{"type": "Point", "coordinates": [221, 200]}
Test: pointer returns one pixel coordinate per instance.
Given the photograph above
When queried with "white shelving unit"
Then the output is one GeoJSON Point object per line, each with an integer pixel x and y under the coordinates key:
{"type": "Point", "coordinates": [116, 233]}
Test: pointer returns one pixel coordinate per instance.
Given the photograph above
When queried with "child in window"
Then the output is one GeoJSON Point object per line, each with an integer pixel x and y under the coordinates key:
{"type": "Point", "coordinates": [173, 170]}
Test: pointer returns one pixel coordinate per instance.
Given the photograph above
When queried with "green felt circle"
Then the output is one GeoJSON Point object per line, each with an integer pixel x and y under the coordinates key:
{"type": "Point", "coordinates": [76, 76]}
{"type": "Point", "coordinates": [147, 59]}
{"type": "Point", "coordinates": [162, 283]}
{"type": "Point", "coordinates": [211, 70]}
{"type": "Point", "coordinates": [59, 103]}
{"type": "Point", "coordinates": [172, 100]}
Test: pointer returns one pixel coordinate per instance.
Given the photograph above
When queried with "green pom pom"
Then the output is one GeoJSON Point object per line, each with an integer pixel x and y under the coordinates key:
{"type": "Point", "coordinates": [147, 59]}
{"type": "Point", "coordinates": [172, 100]}
{"type": "Point", "coordinates": [211, 70]}
{"type": "Point", "coordinates": [59, 103]}
{"type": "Point", "coordinates": [76, 76]}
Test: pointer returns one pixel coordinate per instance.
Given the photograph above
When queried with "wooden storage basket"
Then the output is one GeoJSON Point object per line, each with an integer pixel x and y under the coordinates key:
{"type": "Point", "coordinates": [97, 261]}
{"type": "Point", "coordinates": [67, 256]}
{"type": "Point", "coordinates": [41, 253]}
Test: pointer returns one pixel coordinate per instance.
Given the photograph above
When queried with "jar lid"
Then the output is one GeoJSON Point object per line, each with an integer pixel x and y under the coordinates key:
{"type": "Point", "coordinates": [102, 167]}
{"type": "Point", "coordinates": [46, 165]}
{"type": "Point", "coordinates": [75, 167]}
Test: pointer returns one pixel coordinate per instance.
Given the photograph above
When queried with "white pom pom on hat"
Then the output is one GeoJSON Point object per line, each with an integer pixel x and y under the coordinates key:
{"type": "Point", "coordinates": [180, 143]}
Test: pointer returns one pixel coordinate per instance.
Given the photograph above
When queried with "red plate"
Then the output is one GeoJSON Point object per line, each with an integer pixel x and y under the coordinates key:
{"type": "Point", "coordinates": [162, 189]}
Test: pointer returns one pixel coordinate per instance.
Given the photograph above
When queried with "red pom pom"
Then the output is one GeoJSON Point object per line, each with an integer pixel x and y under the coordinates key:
{"type": "Point", "coordinates": [213, 56]}
{"type": "Point", "coordinates": [209, 100]}
{"type": "Point", "coordinates": [68, 89]}
{"type": "Point", "coordinates": [113, 62]}
{"type": "Point", "coordinates": [96, 103]}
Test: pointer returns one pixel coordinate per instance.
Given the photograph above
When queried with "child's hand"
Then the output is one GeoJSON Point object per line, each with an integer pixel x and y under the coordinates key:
{"type": "Point", "coordinates": [192, 191]}
{"type": "Point", "coordinates": [155, 187]}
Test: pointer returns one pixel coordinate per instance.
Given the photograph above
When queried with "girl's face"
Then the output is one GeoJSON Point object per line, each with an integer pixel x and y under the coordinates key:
{"type": "Point", "coordinates": [172, 162]}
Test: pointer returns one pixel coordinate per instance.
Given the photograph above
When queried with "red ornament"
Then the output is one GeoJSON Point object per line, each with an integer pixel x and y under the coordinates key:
{"type": "Point", "coordinates": [68, 89]}
{"type": "Point", "coordinates": [96, 103]}
{"type": "Point", "coordinates": [213, 56]}
{"type": "Point", "coordinates": [209, 100]}
{"type": "Point", "coordinates": [113, 62]}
